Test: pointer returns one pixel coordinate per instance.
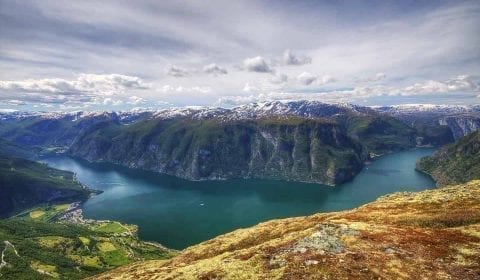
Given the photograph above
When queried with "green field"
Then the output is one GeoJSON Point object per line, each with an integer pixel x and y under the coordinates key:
{"type": "Point", "coordinates": [47, 249]}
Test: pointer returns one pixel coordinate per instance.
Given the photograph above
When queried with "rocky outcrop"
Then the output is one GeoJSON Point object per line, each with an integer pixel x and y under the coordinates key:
{"type": "Point", "coordinates": [433, 234]}
{"type": "Point", "coordinates": [461, 125]}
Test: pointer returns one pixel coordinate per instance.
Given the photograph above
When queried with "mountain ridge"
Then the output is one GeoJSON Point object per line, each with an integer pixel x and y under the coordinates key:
{"type": "Point", "coordinates": [201, 140]}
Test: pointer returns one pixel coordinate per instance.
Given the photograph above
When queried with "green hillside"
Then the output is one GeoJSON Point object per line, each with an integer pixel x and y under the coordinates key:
{"type": "Point", "coordinates": [36, 249]}
{"type": "Point", "coordinates": [454, 163]}
{"type": "Point", "coordinates": [25, 183]}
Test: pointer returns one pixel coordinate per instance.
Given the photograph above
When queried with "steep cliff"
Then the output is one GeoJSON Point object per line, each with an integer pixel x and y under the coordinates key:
{"type": "Point", "coordinates": [293, 149]}
{"type": "Point", "coordinates": [454, 163]}
{"type": "Point", "coordinates": [433, 234]}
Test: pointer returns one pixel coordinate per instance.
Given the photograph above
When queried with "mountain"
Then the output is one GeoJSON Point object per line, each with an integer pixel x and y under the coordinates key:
{"type": "Point", "coordinates": [25, 183]}
{"type": "Point", "coordinates": [294, 149]}
{"type": "Point", "coordinates": [461, 120]}
{"type": "Point", "coordinates": [434, 234]}
{"type": "Point", "coordinates": [298, 140]}
{"type": "Point", "coordinates": [454, 163]}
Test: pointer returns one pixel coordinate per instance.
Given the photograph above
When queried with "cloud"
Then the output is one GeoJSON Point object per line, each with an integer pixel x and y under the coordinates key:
{"type": "Point", "coordinates": [183, 89]}
{"type": "Point", "coordinates": [290, 59]}
{"type": "Point", "coordinates": [52, 39]}
{"type": "Point", "coordinates": [110, 101]}
{"type": "Point", "coordinates": [380, 76]}
{"type": "Point", "coordinates": [257, 64]}
{"type": "Point", "coordinates": [214, 69]}
{"type": "Point", "coordinates": [459, 83]}
{"type": "Point", "coordinates": [279, 79]}
{"type": "Point", "coordinates": [326, 79]}
{"type": "Point", "coordinates": [135, 100]}
{"type": "Point", "coordinates": [307, 78]}
{"type": "Point", "coordinates": [85, 88]}
{"type": "Point", "coordinates": [376, 78]}
{"type": "Point", "coordinates": [175, 71]}
{"type": "Point", "coordinates": [85, 83]}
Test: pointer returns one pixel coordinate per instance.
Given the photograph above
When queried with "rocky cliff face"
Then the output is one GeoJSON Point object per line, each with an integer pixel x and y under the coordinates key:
{"type": "Point", "coordinates": [433, 234]}
{"type": "Point", "coordinates": [454, 163]}
{"type": "Point", "coordinates": [294, 149]}
{"type": "Point", "coordinates": [461, 125]}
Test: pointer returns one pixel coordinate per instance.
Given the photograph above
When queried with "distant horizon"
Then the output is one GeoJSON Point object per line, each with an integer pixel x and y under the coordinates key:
{"type": "Point", "coordinates": [146, 109]}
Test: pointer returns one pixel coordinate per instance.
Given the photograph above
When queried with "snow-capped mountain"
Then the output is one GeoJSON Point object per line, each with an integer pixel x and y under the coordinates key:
{"type": "Point", "coordinates": [461, 119]}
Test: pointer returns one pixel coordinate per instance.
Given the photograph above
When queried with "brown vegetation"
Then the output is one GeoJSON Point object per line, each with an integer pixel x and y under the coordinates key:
{"type": "Point", "coordinates": [433, 234]}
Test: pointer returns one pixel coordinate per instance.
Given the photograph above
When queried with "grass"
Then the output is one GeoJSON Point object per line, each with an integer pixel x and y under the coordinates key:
{"type": "Point", "coordinates": [43, 213]}
{"type": "Point", "coordinates": [92, 261]}
{"type": "Point", "coordinates": [46, 269]}
{"type": "Point", "coordinates": [37, 214]}
{"type": "Point", "coordinates": [85, 241]}
{"type": "Point", "coordinates": [69, 251]}
{"type": "Point", "coordinates": [106, 247]}
{"type": "Point", "coordinates": [111, 227]}
{"type": "Point", "coordinates": [54, 241]}
{"type": "Point", "coordinates": [115, 257]}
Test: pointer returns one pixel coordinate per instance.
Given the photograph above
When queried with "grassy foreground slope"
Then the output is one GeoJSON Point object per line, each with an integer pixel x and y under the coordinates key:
{"type": "Point", "coordinates": [433, 234]}
{"type": "Point", "coordinates": [454, 163]}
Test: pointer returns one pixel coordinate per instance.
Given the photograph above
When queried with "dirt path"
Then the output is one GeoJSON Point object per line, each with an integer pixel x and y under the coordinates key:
{"type": "Point", "coordinates": [7, 244]}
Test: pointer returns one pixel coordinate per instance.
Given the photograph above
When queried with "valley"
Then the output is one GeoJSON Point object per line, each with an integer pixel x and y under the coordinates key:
{"type": "Point", "coordinates": [101, 190]}
{"type": "Point", "coordinates": [297, 141]}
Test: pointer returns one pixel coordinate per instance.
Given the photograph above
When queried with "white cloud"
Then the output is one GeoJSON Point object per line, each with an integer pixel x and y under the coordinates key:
{"type": "Point", "coordinates": [110, 101]}
{"type": "Point", "coordinates": [135, 100]}
{"type": "Point", "coordinates": [380, 76]}
{"type": "Point", "coordinates": [85, 88]}
{"type": "Point", "coordinates": [175, 71]}
{"type": "Point", "coordinates": [290, 59]}
{"type": "Point", "coordinates": [279, 79]}
{"type": "Point", "coordinates": [306, 78]}
{"type": "Point", "coordinates": [142, 38]}
{"type": "Point", "coordinates": [257, 64]}
{"type": "Point", "coordinates": [376, 78]}
{"type": "Point", "coordinates": [326, 79]}
{"type": "Point", "coordinates": [93, 83]}
{"type": "Point", "coordinates": [183, 89]}
{"type": "Point", "coordinates": [459, 83]}
{"type": "Point", "coordinates": [248, 88]}
{"type": "Point", "coordinates": [214, 69]}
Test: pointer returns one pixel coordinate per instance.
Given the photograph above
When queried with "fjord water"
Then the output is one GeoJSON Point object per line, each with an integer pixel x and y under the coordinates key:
{"type": "Point", "coordinates": [179, 213]}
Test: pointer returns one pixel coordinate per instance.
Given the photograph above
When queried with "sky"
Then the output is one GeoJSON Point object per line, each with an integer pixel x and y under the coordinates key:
{"type": "Point", "coordinates": [122, 55]}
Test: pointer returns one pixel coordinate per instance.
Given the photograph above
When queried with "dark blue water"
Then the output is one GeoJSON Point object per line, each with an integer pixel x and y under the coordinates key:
{"type": "Point", "coordinates": [179, 213]}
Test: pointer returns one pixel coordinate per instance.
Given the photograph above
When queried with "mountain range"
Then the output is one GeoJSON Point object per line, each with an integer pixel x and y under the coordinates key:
{"type": "Point", "coordinates": [302, 140]}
